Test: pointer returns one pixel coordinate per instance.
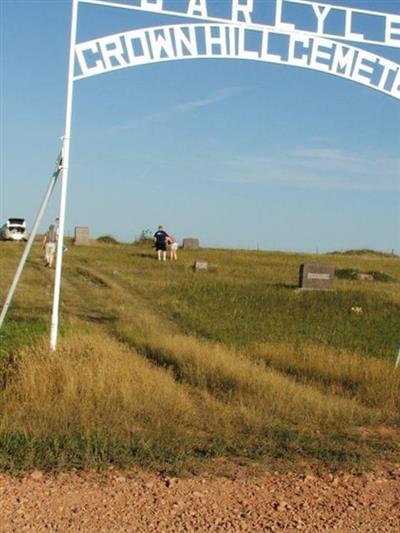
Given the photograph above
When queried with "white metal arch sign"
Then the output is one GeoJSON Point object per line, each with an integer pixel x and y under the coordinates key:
{"type": "Point", "coordinates": [247, 29]}
{"type": "Point", "coordinates": [257, 32]}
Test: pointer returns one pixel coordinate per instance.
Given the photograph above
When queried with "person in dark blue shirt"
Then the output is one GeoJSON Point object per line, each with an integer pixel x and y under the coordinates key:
{"type": "Point", "coordinates": [160, 240]}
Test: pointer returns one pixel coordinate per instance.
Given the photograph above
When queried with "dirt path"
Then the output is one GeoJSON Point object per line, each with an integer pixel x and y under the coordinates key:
{"type": "Point", "coordinates": [138, 502]}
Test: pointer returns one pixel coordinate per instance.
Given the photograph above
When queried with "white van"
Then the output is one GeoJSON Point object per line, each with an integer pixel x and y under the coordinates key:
{"type": "Point", "coordinates": [14, 230]}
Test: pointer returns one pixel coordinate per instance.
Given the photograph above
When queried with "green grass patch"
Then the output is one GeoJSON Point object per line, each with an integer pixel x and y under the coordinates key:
{"type": "Point", "coordinates": [238, 314]}
{"type": "Point", "coordinates": [15, 333]}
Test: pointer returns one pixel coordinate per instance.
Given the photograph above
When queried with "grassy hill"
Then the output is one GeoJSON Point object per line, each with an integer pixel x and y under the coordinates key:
{"type": "Point", "coordinates": [162, 366]}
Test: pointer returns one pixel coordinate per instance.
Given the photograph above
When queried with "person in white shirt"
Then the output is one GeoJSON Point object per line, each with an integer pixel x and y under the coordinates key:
{"type": "Point", "coordinates": [173, 246]}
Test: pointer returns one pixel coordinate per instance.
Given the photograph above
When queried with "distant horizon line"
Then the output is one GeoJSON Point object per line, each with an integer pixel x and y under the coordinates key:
{"type": "Point", "coordinates": [344, 251]}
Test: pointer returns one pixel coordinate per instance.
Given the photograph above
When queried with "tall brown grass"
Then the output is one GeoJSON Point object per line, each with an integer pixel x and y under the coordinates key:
{"type": "Point", "coordinates": [92, 383]}
{"type": "Point", "coordinates": [96, 392]}
{"type": "Point", "coordinates": [371, 382]}
{"type": "Point", "coordinates": [226, 373]}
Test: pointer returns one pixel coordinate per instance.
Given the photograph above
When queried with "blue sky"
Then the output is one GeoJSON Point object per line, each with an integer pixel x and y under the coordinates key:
{"type": "Point", "coordinates": [237, 153]}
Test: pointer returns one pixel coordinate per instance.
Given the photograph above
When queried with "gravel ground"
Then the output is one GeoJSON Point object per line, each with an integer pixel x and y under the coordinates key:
{"type": "Point", "coordinates": [241, 501]}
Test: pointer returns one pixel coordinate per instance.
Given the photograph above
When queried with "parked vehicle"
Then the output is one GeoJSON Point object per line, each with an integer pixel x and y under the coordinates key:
{"type": "Point", "coordinates": [14, 230]}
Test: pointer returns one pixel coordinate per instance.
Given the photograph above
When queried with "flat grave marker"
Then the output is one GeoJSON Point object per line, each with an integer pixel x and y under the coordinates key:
{"type": "Point", "coordinates": [200, 266]}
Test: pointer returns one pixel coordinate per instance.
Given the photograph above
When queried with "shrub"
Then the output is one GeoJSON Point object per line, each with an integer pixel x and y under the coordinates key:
{"type": "Point", "coordinates": [145, 237]}
{"type": "Point", "coordinates": [352, 274]}
{"type": "Point", "coordinates": [363, 251]}
{"type": "Point", "coordinates": [380, 276]}
{"type": "Point", "coordinates": [107, 239]}
{"type": "Point", "coordinates": [346, 273]}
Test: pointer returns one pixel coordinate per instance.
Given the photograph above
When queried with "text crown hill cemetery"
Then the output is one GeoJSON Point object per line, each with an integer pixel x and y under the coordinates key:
{"type": "Point", "coordinates": [300, 33]}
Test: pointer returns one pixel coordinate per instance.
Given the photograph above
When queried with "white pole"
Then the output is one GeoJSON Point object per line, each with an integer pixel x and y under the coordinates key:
{"type": "Point", "coordinates": [31, 239]}
{"type": "Point", "coordinates": [65, 165]}
{"type": "Point", "coordinates": [397, 363]}
{"type": "Point", "coordinates": [278, 13]}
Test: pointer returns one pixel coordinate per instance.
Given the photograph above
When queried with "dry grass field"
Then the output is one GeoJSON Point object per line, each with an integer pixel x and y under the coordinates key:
{"type": "Point", "coordinates": [164, 367]}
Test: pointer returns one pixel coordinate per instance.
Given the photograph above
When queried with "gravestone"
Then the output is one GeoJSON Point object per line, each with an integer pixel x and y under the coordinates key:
{"type": "Point", "coordinates": [200, 266]}
{"type": "Point", "coordinates": [190, 244]}
{"type": "Point", "coordinates": [81, 236]}
{"type": "Point", "coordinates": [317, 276]}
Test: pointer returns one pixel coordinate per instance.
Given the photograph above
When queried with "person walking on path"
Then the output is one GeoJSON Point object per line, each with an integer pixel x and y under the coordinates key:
{"type": "Point", "coordinates": [49, 245]}
{"type": "Point", "coordinates": [173, 246]}
{"type": "Point", "coordinates": [160, 241]}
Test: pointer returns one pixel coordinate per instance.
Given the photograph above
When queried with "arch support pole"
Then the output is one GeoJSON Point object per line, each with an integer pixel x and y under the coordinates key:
{"type": "Point", "coordinates": [64, 181]}
{"type": "Point", "coordinates": [31, 240]}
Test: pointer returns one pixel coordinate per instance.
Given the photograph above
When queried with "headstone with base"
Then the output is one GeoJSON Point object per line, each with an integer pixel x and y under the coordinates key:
{"type": "Point", "coordinates": [81, 236]}
{"type": "Point", "coordinates": [317, 276]}
{"type": "Point", "coordinates": [200, 266]}
{"type": "Point", "coordinates": [190, 244]}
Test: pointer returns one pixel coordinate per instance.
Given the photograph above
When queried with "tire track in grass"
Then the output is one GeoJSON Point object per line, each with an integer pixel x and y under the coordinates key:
{"type": "Point", "coordinates": [219, 377]}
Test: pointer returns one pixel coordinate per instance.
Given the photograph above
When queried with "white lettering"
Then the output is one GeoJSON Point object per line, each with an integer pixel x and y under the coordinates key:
{"type": "Point", "coordinates": [321, 54]}
{"type": "Point", "coordinates": [278, 18]}
{"type": "Point", "coordinates": [321, 16]}
{"type": "Point", "coordinates": [152, 5]}
{"type": "Point", "coordinates": [395, 90]}
{"type": "Point", "coordinates": [149, 45]}
{"type": "Point", "coordinates": [161, 43]}
{"type": "Point", "coordinates": [386, 26]}
{"type": "Point", "coordinates": [265, 53]}
{"type": "Point", "coordinates": [218, 40]}
{"type": "Point", "coordinates": [364, 68]}
{"type": "Point", "coordinates": [348, 27]}
{"type": "Point", "coordinates": [306, 46]}
{"type": "Point", "coordinates": [343, 60]}
{"type": "Point", "coordinates": [138, 55]}
{"type": "Point", "coordinates": [80, 50]}
{"type": "Point", "coordinates": [197, 7]}
{"type": "Point", "coordinates": [111, 48]}
{"type": "Point", "coordinates": [242, 52]}
{"type": "Point", "coordinates": [387, 77]}
{"type": "Point", "coordinates": [232, 41]}
{"type": "Point", "coordinates": [246, 10]}
{"type": "Point", "coordinates": [189, 42]}
{"type": "Point", "coordinates": [392, 30]}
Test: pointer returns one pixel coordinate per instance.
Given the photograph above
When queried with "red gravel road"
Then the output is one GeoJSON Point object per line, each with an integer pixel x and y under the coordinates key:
{"type": "Point", "coordinates": [141, 502]}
